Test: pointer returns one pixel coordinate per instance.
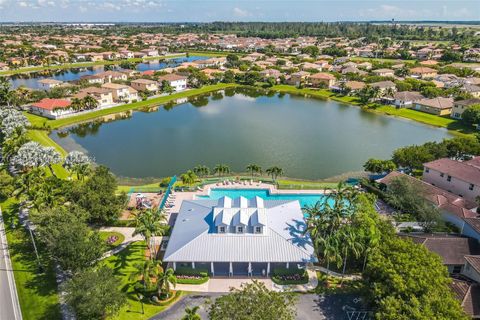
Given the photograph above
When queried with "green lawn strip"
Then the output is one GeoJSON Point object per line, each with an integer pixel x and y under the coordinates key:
{"type": "Point", "coordinates": [55, 124]}
{"type": "Point", "coordinates": [123, 265]}
{"type": "Point", "coordinates": [305, 184]}
{"type": "Point", "coordinates": [85, 64]}
{"type": "Point", "coordinates": [104, 235]}
{"type": "Point", "coordinates": [140, 188]}
{"type": "Point", "coordinates": [37, 292]}
{"type": "Point", "coordinates": [42, 137]}
{"type": "Point", "coordinates": [453, 125]}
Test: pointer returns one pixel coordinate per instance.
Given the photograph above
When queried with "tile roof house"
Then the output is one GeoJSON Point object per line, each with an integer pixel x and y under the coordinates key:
{"type": "Point", "coordinates": [405, 99]}
{"type": "Point", "coordinates": [322, 79]}
{"type": "Point", "coordinates": [239, 236]}
{"type": "Point", "coordinates": [460, 106]}
{"type": "Point", "coordinates": [438, 106]}
{"type": "Point", "coordinates": [468, 293]}
{"type": "Point", "coordinates": [423, 72]}
{"type": "Point", "coordinates": [178, 82]}
{"type": "Point", "coordinates": [51, 108]}
{"type": "Point", "coordinates": [461, 178]}
{"type": "Point", "coordinates": [144, 85]}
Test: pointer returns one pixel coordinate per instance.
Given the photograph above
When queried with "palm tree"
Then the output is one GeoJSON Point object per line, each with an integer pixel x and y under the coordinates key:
{"type": "Point", "coordinates": [350, 243]}
{"type": "Point", "coordinates": [77, 104]}
{"type": "Point", "coordinates": [201, 170]}
{"type": "Point", "coordinates": [253, 168]}
{"type": "Point", "coordinates": [146, 271]}
{"type": "Point", "coordinates": [90, 102]}
{"type": "Point", "coordinates": [274, 172]}
{"type": "Point", "coordinates": [191, 314]}
{"type": "Point", "coordinates": [189, 177]}
{"type": "Point", "coordinates": [150, 224]}
{"type": "Point", "coordinates": [165, 281]}
{"type": "Point", "coordinates": [221, 169]}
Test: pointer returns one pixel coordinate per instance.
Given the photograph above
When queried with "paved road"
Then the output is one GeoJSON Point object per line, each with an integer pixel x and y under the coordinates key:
{"type": "Point", "coordinates": [9, 305]}
{"type": "Point", "coordinates": [309, 307]}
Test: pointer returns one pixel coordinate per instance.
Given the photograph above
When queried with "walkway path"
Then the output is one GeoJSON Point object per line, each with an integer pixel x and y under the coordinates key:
{"type": "Point", "coordinates": [9, 304]}
{"type": "Point", "coordinates": [129, 238]}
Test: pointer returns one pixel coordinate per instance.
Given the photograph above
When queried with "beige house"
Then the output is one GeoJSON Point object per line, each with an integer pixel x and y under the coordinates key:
{"type": "Point", "coordinates": [460, 106]}
{"type": "Point", "coordinates": [384, 72]}
{"type": "Point", "coordinates": [322, 79]}
{"type": "Point", "coordinates": [460, 178]}
{"type": "Point", "coordinates": [120, 92]}
{"type": "Point", "coordinates": [144, 85]}
{"type": "Point", "coordinates": [298, 78]}
{"type": "Point", "coordinates": [103, 96]}
{"type": "Point", "coordinates": [423, 72]}
{"type": "Point", "coordinates": [437, 106]}
{"type": "Point", "coordinates": [47, 84]}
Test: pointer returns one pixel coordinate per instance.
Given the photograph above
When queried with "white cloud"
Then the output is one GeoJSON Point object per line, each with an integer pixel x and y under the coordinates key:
{"type": "Point", "coordinates": [237, 12]}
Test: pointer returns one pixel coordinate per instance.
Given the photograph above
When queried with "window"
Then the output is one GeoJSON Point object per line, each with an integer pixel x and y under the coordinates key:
{"type": "Point", "coordinates": [239, 229]}
{"type": "Point", "coordinates": [442, 175]}
{"type": "Point", "coordinates": [427, 170]}
{"type": "Point", "coordinates": [470, 187]}
{"type": "Point", "coordinates": [221, 229]}
{"type": "Point", "coordinates": [258, 229]}
{"type": "Point", "coordinates": [449, 178]}
{"type": "Point", "coordinates": [467, 267]}
{"type": "Point", "coordinates": [457, 269]}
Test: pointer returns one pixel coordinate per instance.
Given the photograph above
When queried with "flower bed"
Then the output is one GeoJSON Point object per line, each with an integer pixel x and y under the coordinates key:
{"type": "Point", "coordinates": [289, 276]}
{"type": "Point", "coordinates": [191, 276]}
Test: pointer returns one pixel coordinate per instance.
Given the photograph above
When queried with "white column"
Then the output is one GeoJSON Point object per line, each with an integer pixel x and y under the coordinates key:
{"type": "Point", "coordinates": [230, 271]}
{"type": "Point", "coordinates": [211, 269]}
{"type": "Point", "coordinates": [288, 265]}
{"type": "Point", "coordinates": [268, 269]}
{"type": "Point", "coordinates": [174, 266]}
{"type": "Point", "coordinates": [193, 265]}
{"type": "Point", "coordinates": [250, 268]}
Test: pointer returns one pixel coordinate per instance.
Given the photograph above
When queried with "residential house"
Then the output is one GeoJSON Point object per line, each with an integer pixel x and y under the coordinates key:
{"type": "Point", "coordinates": [4, 66]}
{"type": "Point", "coordinates": [151, 52]}
{"type": "Point", "coordinates": [269, 73]}
{"type": "Point", "coordinates": [92, 79]}
{"type": "Point", "coordinates": [47, 84]}
{"type": "Point", "coordinates": [460, 106]}
{"type": "Point", "coordinates": [451, 248]}
{"type": "Point", "coordinates": [125, 54]}
{"type": "Point", "coordinates": [144, 85]}
{"type": "Point", "coordinates": [423, 72]}
{"type": "Point", "coordinates": [405, 99]}
{"type": "Point", "coordinates": [461, 178]}
{"type": "Point", "coordinates": [120, 92]}
{"type": "Point", "coordinates": [322, 79]}
{"type": "Point", "coordinates": [239, 237]}
{"type": "Point", "coordinates": [384, 72]}
{"type": "Point", "coordinates": [103, 96]}
{"type": "Point", "coordinates": [468, 293]}
{"type": "Point", "coordinates": [438, 106]}
{"type": "Point", "coordinates": [94, 57]}
{"type": "Point", "coordinates": [177, 82]}
{"type": "Point", "coordinates": [298, 78]}
{"type": "Point", "coordinates": [384, 86]}
{"type": "Point", "coordinates": [472, 89]}
{"type": "Point", "coordinates": [110, 76]}
{"type": "Point", "coordinates": [354, 86]}
{"type": "Point", "coordinates": [51, 108]}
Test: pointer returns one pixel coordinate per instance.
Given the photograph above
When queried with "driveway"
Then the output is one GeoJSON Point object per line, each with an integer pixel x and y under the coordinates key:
{"type": "Point", "coordinates": [309, 307]}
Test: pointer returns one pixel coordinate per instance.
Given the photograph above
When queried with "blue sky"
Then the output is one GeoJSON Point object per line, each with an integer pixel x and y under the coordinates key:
{"type": "Point", "coordinates": [239, 10]}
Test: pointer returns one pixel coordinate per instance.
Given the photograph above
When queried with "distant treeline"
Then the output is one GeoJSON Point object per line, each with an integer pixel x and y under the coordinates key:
{"type": "Point", "coordinates": [270, 30]}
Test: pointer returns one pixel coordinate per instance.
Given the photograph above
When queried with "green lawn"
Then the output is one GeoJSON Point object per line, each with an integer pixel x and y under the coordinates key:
{"type": "Point", "coordinates": [454, 126]}
{"type": "Point", "coordinates": [140, 188]}
{"type": "Point", "coordinates": [55, 124]}
{"type": "Point", "coordinates": [123, 265]}
{"type": "Point", "coordinates": [305, 184]}
{"type": "Point", "coordinates": [104, 235]}
{"type": "Point", "coordinates": [84, 64]}
{"type": "Point", "coordinates": [37, 292]}
{"type": "Point", "coordinates": [42, 137]}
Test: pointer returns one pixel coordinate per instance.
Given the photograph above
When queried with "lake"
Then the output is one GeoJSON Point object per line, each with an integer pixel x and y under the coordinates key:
{"type": "Point", "coordinates": [30, 80]}
{"type": "Point", "coordinates": [308, 138]}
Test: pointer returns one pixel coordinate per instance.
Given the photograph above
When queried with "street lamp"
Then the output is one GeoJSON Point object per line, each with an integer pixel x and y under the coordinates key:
{"type": "Point", "coordinates": [140, 297]}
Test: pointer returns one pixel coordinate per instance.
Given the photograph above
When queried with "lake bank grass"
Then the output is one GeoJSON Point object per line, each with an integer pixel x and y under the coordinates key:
{"type": "Point", "coordinates": [454, 126]}
{"type": "Point", "coordinates": [37, 292]}
{"type": "Point", "coordinates": [41, 136]}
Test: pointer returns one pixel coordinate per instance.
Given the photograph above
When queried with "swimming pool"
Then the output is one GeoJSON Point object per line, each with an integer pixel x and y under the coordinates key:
{"type": "Point", "coordinates": [304, 199]}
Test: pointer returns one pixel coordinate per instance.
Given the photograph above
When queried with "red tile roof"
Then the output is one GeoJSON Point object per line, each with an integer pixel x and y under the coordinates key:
{"type": "Point", "coordinates": [51, 104]}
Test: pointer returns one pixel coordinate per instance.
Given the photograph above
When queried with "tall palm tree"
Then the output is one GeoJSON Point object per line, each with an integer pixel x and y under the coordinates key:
{"type": "Point", "coordinates": [221, 169]}
{"type": "Point", "coordinates": [77, 104]}
{"type": "Point", "coordinates": [191, 314]}
{"type": "Point", "coordinates": [274, 172]}
{"type": "Point", "coordinates": [150, 224]}
{"type": "Point", "coordinates": [350, 244]}
{"type": "Point", "coordinates": [90, 102]}
{"type": "Point", "coordinates": [165, 281]}
{"type": "Point", "coordinates": [146, 271]}
{"type": "Point", "coordinates": [253, 168]}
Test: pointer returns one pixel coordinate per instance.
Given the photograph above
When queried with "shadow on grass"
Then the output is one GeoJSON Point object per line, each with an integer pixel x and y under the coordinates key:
{"type": "Point", "coordinates": [52, 312]}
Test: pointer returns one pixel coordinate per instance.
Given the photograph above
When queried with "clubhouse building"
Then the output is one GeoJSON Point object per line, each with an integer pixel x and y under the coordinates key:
{"type": "Point", "coordinates": [239, 237]}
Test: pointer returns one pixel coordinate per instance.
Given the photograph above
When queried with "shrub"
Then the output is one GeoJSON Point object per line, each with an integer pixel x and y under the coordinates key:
{"type": "Point", "coordinates": [283, 276]}
{"type": "Point", "coordinates": [186, 275]}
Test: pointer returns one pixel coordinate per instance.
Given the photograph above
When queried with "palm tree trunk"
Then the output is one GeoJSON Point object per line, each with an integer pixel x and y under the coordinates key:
{"type": "Point", "coordinates": [364, 261]}
{"type": "Point", "coordinates": [344, 267]}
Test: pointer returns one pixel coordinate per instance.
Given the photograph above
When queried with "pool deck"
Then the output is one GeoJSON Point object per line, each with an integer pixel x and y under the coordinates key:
{"type": "Point", "coordinates": [176, 198]}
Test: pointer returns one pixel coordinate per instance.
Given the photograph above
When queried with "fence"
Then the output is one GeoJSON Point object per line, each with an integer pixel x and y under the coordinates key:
{"type": "Point", "coordinates": [167, 193]}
